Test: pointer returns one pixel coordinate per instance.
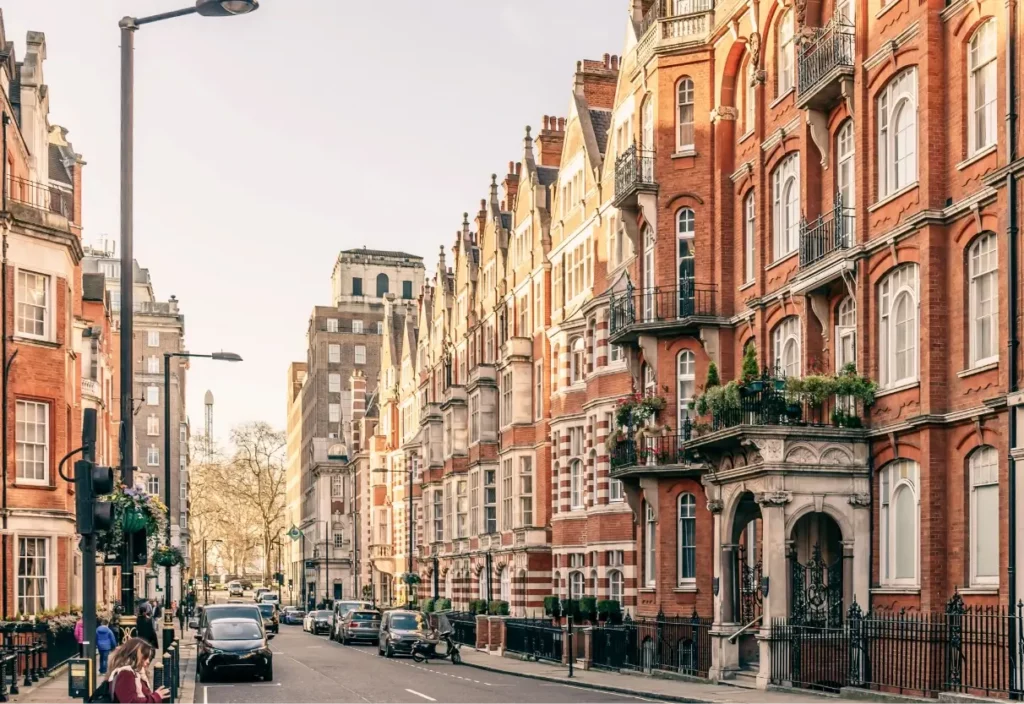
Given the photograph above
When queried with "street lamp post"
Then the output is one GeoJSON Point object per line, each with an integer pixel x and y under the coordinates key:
{"type": "Point", "coordinates": [206, 573]}
{"type": "Point", "coordinates": [220, 356]}
{"type": "Point", "coordinates": [128, 26]}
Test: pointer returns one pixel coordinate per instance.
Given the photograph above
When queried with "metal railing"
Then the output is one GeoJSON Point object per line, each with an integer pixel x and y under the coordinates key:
{"type": "Point", "coordinates": [965, 650]}
{"type": "Point", "coordinates": [538, 639]}
{"type": "Point", "coordinates": [634, 168]}
{"type": "Point", "coordinates": [41, 196]}
{"type": "Point", "coordinates": [654, 451]}
{"type": "Point", "coordinates": [825, 234]}
{"type": "Point", "coordinates": [681, 645]}
{"type": "Point", "coordinates": [660, 304]}
{"type": "Point", "coordinates": [828, 48]}
{"type": "Point", "coordinates": [463, 627]}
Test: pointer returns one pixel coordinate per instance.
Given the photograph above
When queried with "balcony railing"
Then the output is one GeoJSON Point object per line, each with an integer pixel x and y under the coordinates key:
{"type": "Point", "coordinates": [765, 402]}
{"type": "Point", "coordinates": [828, 49]}
{"type": "Point", "coordinates": [656, 451]}
{"type": "Point", "coordinates": [634, 170]}
{"type": "Point", "coordinates": [660, 304]}
{"type": "Point", "coordinates": [382, 551]}
{"type": "Point", "coordinates": [41, 196]}
{"type": "Point", "coordinates": [91, 388]}
{"type": "Point", "coordinates": [825, 234]}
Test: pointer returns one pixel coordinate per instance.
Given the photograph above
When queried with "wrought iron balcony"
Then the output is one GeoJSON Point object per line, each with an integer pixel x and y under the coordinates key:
{"type": "Point", "coordinates": [829, 232]}
{"type": "Point", "coordinates": [661, 310]}
{"type": "Point", "coordinates": [634, 173]}
{"type": "Point", "coordinates": [41, 196]}
{"type": "Point", "coordinates": [765, 402]}
{"type": "Point", "coordinates": [824, 59]}
{"type": "Point", "coordinates": [669, 23]}
{"type": "Point", "coordinates": [631, 456]}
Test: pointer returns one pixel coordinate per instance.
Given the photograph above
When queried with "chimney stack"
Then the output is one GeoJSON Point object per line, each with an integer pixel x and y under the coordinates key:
{"type": "Point", "coordinates": [552, 136]}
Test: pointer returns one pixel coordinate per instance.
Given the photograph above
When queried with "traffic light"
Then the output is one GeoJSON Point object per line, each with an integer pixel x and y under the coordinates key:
{"type": "Point", "coordinates": [91, 482]}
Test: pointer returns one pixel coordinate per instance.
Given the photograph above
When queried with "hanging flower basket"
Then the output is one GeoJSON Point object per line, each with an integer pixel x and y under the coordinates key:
{"type": "Point", "coordinates": [167, 556]}
{"type": "Point", "coordinates": [134, 510]}
{"type": "Point", "coordinates": [410, 578]}
{"type": "Point", "coordinates": [132, 521]}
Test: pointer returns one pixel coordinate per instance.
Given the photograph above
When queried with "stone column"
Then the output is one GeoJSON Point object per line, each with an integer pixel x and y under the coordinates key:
{"type": "Point", "coordinates": [774, 565]}
{"type": "Point", "coordinates": [860, 542]}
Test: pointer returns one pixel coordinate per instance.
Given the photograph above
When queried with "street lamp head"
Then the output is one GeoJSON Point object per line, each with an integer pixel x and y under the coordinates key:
{"type": "Point", "coordinates": [226, 357]}
{"type": "Point", "coordinates": [226, 8]}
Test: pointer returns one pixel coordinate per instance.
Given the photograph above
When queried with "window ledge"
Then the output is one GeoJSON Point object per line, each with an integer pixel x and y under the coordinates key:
{"type": "Point", "coordinates": [893, 196]}
{"type": "Point", "coordinates": [896, 590]}
{"type": "Point", "coordinates": [36, 341]}
{"type": "Point", "coordinates": [745, 136]}
{"type": "Point", "coordinates": [980, 589]}
{"type": "Point", "coordinates": [684, 153]}
{"type": "Point", "coordinates": [31, 485]}
{"type": "Point", "coordinates": [784, 259]}
{"type": "Point", "coordinates": [978, 156]}
{"type": "Point", "coordinates": [897, 389]}
{"type": "Point", "coordinates": [686, 589]}
{"type": "Point", "coordinates": [886, 7]}
{"type": "Point", "coordinates": [782, 97]}
{"type": "Point", "coordinates": [647, 590]}
{"type": "Point", "coordinates": [747, 285]}
{"type": "Point", "coordinates": [978, 370]}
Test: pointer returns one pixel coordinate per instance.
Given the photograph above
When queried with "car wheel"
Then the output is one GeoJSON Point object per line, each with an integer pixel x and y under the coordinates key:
{"type": "Point", "coordinates": [204, 674]}
{"type": "Point", "coordinates": [268, 674]}
{"type": "Point", "coordinates": [389, 652]}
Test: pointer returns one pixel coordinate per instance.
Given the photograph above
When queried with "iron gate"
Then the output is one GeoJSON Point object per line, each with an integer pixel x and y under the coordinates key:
{"type": "Point", "coordinates": [817, 598]}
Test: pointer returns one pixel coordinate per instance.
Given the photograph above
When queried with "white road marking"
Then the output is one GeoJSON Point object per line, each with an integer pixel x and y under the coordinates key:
{"type": "Point", "coordinates": [419, 694]}
{"type": "Point", "coordinates": [267, 684]}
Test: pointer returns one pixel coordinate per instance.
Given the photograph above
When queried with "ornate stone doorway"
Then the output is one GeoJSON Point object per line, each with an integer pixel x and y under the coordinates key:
{"type": "Point", "coordinates": [817, 592]}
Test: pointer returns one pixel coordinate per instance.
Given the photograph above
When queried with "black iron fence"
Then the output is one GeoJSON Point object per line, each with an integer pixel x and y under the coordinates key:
{"type": "Point", "coordinates": [681, 645]}
{"type": "Point", "coordinates": [654, 451]}
{"type": "Point", "coordinates": [827, 233]}
{"type": "Point", "coordinates": [964, 650]}
{"type": "Point", "coordinates": [660, 304]}
{"type": "Point", "coordinates": [764, 401]}
{"type": "Point", "coordinates": [41, 196]}
{"type": "Point", "coordinates": [463, 627]}
{"type": "Point", "coordinates": [535, 638]}
{"type": "Point", "coordinates": [634, 168]}
{"type": "Point", "coordinates": [830, 47]}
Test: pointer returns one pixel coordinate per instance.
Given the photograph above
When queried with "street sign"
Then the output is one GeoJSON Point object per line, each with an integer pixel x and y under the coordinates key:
{"type": "Point", "coordinates": [206, 579]}
{"type": "Point", "coordinates": [294, 533]}
{"type": "Point", "coordinates": [310, 564]}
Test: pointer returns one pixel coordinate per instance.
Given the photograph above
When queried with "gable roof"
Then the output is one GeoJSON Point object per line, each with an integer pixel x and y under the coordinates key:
{"type": "Point", "coordinates": [602, 122]}
{"type": "Point", "coordinates": [547, 175]}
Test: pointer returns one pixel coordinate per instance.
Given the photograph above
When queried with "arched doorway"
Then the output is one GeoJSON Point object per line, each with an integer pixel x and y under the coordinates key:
{"type": "Point", "coordinates": [747, 560]}
{"type": "Point", "coordinates": [816, 571]}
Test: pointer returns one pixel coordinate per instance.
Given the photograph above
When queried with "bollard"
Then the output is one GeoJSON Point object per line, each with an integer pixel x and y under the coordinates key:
{"type": "Point", "coordinates": [571, 657]}
{"type": "Point", "coordinates": [37, 660]}
{"type": "Point", "coordinates": [14, 673]}
{"type": "Point", "coordinates": [172, 671]}
{"type": "Point", "coordinates": [158, 675]}
{"type": "Point", "coordinates": [25, 650]}
{"type": "Point", "coordinates": [177, 663]}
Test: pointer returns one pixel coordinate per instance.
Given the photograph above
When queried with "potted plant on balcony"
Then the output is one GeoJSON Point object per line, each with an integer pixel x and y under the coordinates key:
{"type": "Point", "coordinates": [749, 370]}
{"type": "Point", "coordinates": [719, 400]}
{"type": "Point", "coordinates": [168, 556]}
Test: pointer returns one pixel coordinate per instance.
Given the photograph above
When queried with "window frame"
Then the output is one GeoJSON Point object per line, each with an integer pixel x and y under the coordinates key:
{"type": "Point", "coordinates": [749, 236]}
{"type": "Point", "coordinates": [686, 513]}
{"type": "Point", "coordinates": [990, 457]}
{"type": "Point", "coordinates": [785, 38]}
{"type": "Point", "coordinates": [890, 291]}
{"type": "Point", "coordinates": [577, 479]}
{"type": "Point", "coordinates": [42, 577]}
{"type": "Point", "coordinates": [686, 381]}
{"type": "Point", "coordinates": [333, 353]}
{"type": "Point", "coordinates": [974, 256]}
{"type": "Point", "coordinates": [685, 115]}
{"type": "Point", "coordinates": [152, 395]}
{"type": "Point", "coordinates": [899, 94]}
{"type": "Point", "coordinates": [890, 485]}
{"type": "Point", "coordinates": [577, 360]}
{"type": "Point", "coordinates": [982, 66]}
{"type": "Point", "coordinates": [20, 477]}
{"type": "Point", "coordinates": [786, 220]}
{"type": "Point", "coordinates": [787, 332]}
{"type": "Point", "coordinates": [21, 300]}
{"type": "Point", "coordinates": [650, 548]}
{"type": "Point", "coordinates": [621, 585]}
{"type": "Point", "coordinates": [359, 354]}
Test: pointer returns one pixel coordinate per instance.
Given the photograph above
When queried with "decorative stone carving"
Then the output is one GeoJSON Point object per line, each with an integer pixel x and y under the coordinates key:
{"type": "Point", "coordinates": [771, 449]}
{"type": "Point", "coordinates": [801, 12]}
{"type": "Point", "coordinates": [715, 506]}
{"type": "Point", "coordinates": [754, 47]}
{"type": "Point", "coordinates": [834, 455]}
{"type": "Point", "coordinates": [723, 112]}
{"type": "Point", "coordinates": [860, 500]}
{"type": "Point", "coordinates": [775, 498]}
{"type": "Point", "coordinates": [801, 455]}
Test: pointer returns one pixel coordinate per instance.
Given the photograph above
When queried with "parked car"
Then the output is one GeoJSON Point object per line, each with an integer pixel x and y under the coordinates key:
{"type": "Point", "coordinates": [232, 644]}
{"type": "Point", "coordinates": [318, 622]}
{"type": "Point", "coordinates": [212, 612]}
{"type": "Point", "coordinates": [360, 625]}
{"type": "Point", "coordinates": [292, 616]}
{"type": "Point", "coordinates": [235, 588]}
{"type": "Point", "coordinates": [400, 630]}
{"type": "Point", "coordinates": [270, 597]}
{"type": "Point", "coordinates": [270, 619]}
{"type": "Point", "coordinates": [246, 584]}
{"type": "Point", "coordinates": [338, 613]}
{"type": "Point", "coordinates": [260, 591]}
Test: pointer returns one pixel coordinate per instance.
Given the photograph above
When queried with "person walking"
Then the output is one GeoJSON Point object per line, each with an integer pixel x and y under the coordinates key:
{"type": "Point", "coordinates": [144, 625]}
{"type": "Point", "coordinates": [129, 674]}
{"type": "Point", "coordinates": [106, 641]}
{"type": "Point", "coordinates": [80, 635]}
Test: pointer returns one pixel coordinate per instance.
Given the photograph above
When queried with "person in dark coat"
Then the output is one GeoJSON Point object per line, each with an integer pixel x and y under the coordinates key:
{"type": "Point", "coordinates": [144, 625]}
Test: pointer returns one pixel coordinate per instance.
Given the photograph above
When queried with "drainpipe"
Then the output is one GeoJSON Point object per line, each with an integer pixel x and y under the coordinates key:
{"type": "Point", "coordinates": [1011, 236]}
{"type": "Point", "coordinates": [5, 120]}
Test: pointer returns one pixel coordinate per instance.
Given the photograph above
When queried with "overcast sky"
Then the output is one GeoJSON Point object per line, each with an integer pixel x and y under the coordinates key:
{"type": "Point", "coordinates": [267, 143]}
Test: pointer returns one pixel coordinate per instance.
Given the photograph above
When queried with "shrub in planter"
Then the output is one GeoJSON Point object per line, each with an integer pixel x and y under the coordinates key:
{"type": "Point", "coordinates": [609, 610]}
{"type": "Point", "coordinates": [712, 379]}
{"type": "Point", "coordinates": [749, 370]}
{"type": "Point", "coordinates": [571, 607]}
{"type": "Point", "coordinates": [498, 607]}
{"type": "Point", "coordinates": [442, 604]}
{"type": "Point", "coordinates": [428, 606]}
{"type": "Point", "coordinates": [552, 606]}
{"type": "Point", "coordinates": [588, 608]}
{"type": "Point", "coordinates": [719, 400]}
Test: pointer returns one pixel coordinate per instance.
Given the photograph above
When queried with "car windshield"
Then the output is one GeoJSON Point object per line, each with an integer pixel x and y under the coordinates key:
{"type": "Point", "coordinates": [346, 606]}
{"type": "Point", "coordinates": [322, 614]}
{"type": "Point", "coordinates": [364, 616]}
{"type": "Point", "coordinates": [408, 622]}
{"type": "Point", "coordinates": [230, 612]}
{"type": "Point", "coordinates": [267, 610]}
{"type": "Point", "coordinates": [235, 630]}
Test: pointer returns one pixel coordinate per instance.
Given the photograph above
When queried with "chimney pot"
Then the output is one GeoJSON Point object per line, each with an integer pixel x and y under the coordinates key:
{"type": "Point", "coordinates": [511, 165]}
{"type": "Point", "coordinates": [561, 124]}
{"type": "Point", "coordinates": [545, 122]}
{"type": "Point", "coordinates": [607, 62]}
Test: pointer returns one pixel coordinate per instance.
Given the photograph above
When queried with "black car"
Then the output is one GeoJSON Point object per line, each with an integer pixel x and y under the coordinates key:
{"type": "Point", "coordinates": [360, 625]}
{"type": "Point", "coordinates": [212, 612]}
{"type": "Point", "coordinates": [400, 629]}
{"type": "Point", "coordinates": [234, 644]}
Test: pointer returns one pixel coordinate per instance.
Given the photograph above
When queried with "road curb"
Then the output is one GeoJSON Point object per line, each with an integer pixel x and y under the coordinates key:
{"type": "Point", "coordinates": [590, 685]}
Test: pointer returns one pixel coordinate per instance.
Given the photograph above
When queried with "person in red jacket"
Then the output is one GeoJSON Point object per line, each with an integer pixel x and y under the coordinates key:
{"type": "Point", "coordinates": [129, 674]}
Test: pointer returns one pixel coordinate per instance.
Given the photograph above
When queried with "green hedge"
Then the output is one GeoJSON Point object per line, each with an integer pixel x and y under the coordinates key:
{"type": "Point", "coordinates": [552, 606]}
{"type": "Point", "coordinates": [498, 607]}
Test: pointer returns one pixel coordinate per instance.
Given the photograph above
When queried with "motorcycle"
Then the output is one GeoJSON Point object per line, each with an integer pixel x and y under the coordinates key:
{"type": "Point", "coordinates": [424, 650]}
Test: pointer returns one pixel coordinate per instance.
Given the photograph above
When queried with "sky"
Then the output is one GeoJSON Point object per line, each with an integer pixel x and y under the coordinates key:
{"type": "Point", "coordinates": [265, 144]}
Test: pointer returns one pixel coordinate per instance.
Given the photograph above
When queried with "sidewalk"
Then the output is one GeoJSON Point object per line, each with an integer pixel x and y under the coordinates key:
{"type": "Point", "coordinates": [637, 685]}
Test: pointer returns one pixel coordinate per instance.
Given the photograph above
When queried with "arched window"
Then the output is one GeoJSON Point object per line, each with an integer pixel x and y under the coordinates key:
{"type": "Point", "coordinates": [786, 53]}
{"type": "Point", "coordinates": [505, 582]}
{"type": "Point", "coordinates": [846, 11]}
{"type": "Point", "coordinates": [481, 585]}
{"type": "Point", "coordinates": [685, 230]}
{"type": "Point", "coordinates": [577, 585]}
{"type": "Point", "coordinates": [576, 479]}
{"type": "Point", "coordinates": [786, 345]}
{"type": "Point", "coordinates": [684, 115]}
{"type": "Point", "coordinates": [685, 386]}
{"type": "Point", "coordinates": [981, 93]}
{"type": "Point", "coordinates": [558, 584]}
{"type": "Point", "coordinates": [594, 584]}
{"type": "Point", "coordinates": [748, 237]}
{"type": "Point", "coordinates": [686, 539]}
{"type": "Point", "coordinates": [382, 285]}
{"type": "Point", "coordinates": [897, 329]}
{"type": "Point", "coordinates": [984, 465]}
{"type": "Point", "coordinates": [650, 381]}
{"type": "Point", "coordinates": [845, 180]}
{"type": "Point", "coordinates": [615, 586]}
{"type": "Point", "coordinates": [846, 333]}
{"type": "Point", "coordinates": [900, 518]}
{"type": "Point", "coordinates": [749, 96]}
{"type": "Point", "coordinates": [650, 548]}
{"type": "Point", "coordinates": [786, 205]}
{"type": "Point", "coordinates": [577, 362]}
{"type": "Point", "coordinates": [984, 300]}
{"type": "Point", "coordinates": [648, 292]}
{"type": "Point", "coordinates": [897, 133]}
{"type": "Point", "coordinates": [647, 124]}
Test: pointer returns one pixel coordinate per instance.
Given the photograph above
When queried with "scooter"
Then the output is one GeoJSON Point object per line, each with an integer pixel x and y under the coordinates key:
{"type": "Point", "coordinates": [424, 650]}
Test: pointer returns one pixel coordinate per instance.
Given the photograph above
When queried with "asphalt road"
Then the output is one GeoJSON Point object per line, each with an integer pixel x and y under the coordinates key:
{"type": "Point", "coordinates": [310, 668]}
